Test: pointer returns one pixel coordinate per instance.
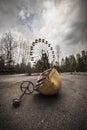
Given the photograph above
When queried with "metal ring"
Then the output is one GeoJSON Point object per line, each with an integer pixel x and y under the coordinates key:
{"type": "Point", "coordinates": [27, 87]}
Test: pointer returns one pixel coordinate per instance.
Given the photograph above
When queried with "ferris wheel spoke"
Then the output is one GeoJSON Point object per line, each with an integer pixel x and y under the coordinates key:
{"type": "Point", "coordinates": [38, 45]}
{"type": "Point", "coordinates": [37, 52]}
{"type": "Point", "coordinates": [38, 48]}
{"type": "Point", "coordinates": [43, 44]}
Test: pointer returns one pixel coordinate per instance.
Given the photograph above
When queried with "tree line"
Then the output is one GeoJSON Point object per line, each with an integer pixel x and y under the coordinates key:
{"type": "Point", "coordinates": [73, 63]}
{"type": "Point", "coordinates": [14, 55]}
{"type": "Point", "coordinates": [14, 58]}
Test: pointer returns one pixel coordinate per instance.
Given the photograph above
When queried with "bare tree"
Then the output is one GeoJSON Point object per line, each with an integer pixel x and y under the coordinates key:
{"type": "Point", "coordinates": [8, 47]}
{"type": "Point", "coordinates": [23, 52]}
{"type": "Point", "coordinates": [58, 53]}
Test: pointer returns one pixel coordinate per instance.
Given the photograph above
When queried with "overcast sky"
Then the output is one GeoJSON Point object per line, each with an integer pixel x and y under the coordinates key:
{"type": "Point", "coordinates": [62, 22]}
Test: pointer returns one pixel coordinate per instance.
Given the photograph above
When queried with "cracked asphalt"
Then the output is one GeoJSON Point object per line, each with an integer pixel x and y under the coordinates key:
{"type": "Point", "coordinates": [65, 111]}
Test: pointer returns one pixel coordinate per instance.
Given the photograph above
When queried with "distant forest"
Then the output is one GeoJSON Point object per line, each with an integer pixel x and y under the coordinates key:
{"type": "Point", "coordinates": [9, 58]}
{"type": "Point", "coordinates": [73, 63]}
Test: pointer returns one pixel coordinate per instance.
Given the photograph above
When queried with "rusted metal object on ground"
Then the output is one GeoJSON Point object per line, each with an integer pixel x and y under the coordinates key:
{"type": "Point", "coordinates": [49, 82]}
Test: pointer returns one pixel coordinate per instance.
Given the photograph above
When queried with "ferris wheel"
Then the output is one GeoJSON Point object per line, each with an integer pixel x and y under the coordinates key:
{"type": "Point", "coordinates": [41, 49]}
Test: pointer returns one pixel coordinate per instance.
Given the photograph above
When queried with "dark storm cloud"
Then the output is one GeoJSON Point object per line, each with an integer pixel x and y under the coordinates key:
{"type": "Point", "coordinates": [79, 25]}
{"type": "Point", "coordinates": [83, 9]}
{"type": "Point", "coordinates": [9, 10]}
{"type": "Point", "coordinates": [78, 33]}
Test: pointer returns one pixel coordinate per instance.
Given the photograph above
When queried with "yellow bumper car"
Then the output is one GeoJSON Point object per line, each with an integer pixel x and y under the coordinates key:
{"type": "Point", "coordinates": [49, 82]}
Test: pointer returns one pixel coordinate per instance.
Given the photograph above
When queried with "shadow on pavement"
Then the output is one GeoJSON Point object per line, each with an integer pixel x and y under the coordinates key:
{"type": "Point", "coordinates": [46, 100]}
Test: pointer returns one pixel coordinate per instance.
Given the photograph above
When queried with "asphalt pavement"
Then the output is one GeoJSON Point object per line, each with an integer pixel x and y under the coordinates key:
{"type": "Point", "coordinates": [65, 111]}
